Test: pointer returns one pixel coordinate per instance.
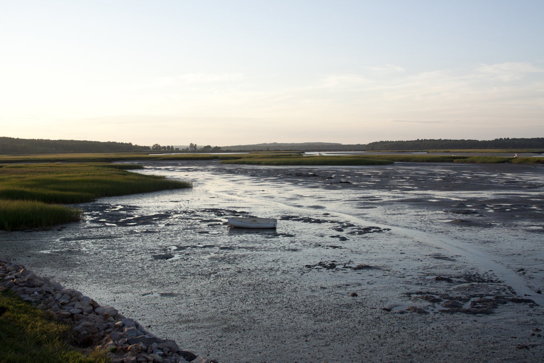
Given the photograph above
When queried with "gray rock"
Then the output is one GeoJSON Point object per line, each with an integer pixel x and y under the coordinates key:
{"type": "Point", "coordinates": [143, 339]}
{"type": "Point", "coordinates": [64, 299]}
{"type": "Point", "coordinates": [73, 293]}
{"type": "Point", "coordinates": [169, 345]}
{"type": "Point", "coordinates": [200, 360]}
{"type": "Point", "coordinates": [132, 332]}
{"type": "Point", "coordinates": [128, 322]}
{"type": "Point", "coordinates": [156, 358]}
{"type": "Point", "coordinates": [116, 336]}
{"type": "Point", "coordinates": [107, 311]}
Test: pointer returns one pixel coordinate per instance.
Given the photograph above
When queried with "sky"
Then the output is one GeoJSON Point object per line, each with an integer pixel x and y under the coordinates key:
{"type": "Point", "coordinates": [229, 72]}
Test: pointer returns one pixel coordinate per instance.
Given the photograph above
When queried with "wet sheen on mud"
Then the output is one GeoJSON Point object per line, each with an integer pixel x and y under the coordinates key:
{"type": "Point", "coordinates": [403, 262]}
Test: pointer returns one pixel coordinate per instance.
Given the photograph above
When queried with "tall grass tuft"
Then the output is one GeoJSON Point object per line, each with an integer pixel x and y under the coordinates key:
{"type": "Point", "coordinates": [22, 214]}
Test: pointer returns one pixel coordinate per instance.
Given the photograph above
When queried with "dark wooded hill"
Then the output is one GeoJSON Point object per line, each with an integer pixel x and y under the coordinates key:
{"type": "Point", "coordinates": [9, 145]}
{"type": "Point", "coordinates": [415, 145]}
{"type": "Point", "coordinates": [302, 146]}
{"type": "Point", "coordinates": [445, 144]}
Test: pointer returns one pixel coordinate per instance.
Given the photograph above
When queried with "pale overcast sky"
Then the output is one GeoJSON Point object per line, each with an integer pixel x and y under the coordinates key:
{"type": "Point", "coordinates": [235, 72]}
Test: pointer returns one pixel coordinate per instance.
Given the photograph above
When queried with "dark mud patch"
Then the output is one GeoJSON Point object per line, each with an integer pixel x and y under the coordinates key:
{"type": "Point", "coordinates": [484, 278]}
{"type": "Point", "coordinates": [88, 238]}
{"type": "Point", "coordinates": [337, 266]}
{"type": "Point", "coordinates": [464, 211]}
{"type": "Point", "coordinates": [130, 216]}
{"type": "Point", "coordinates": [343, 227]}
{"type": "Point", "coordinates": [466, 304]}
{"type": "Point", "coordinates": [121, 215]}
{"type": "Point", "coordinates": [461, 222]}
{"type": "Point", "coordinates": [467, 278]}
{"type": "Point", "coordinates": [439, 256]}
{"type": "Point", "coordinates": [339, 237]}
{"type": "Point", "coordinates": [359, 231]}
{"type": "Point", "coordinates": [163, 256]}
{"type": "Point", "coordinates": [468, 293]}
{"type": "Point", "coordinates": [220, 212]}
{"type": "Point", "coordinates": [186, 247]}
{"type": "Point", "coordinates": [160, 294]}
{"type": "Point", "coordinates": [266, 233]}
{"type": "Point", "coordinates": [305, 219]}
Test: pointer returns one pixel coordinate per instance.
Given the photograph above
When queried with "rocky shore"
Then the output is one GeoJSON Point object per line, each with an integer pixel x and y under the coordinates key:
{"type": "Point", "coordinates": [94, 326]}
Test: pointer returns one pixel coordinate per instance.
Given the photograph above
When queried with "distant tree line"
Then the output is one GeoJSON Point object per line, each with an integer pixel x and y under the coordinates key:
{"type": "Point", "coordinates": [10, 145]}
{"type": "Point", "coordinates": [302, 146]}
{"type": "Point", "coordinates": [432, 144]}
{"type": "Point", "coordinates": [191, 148]}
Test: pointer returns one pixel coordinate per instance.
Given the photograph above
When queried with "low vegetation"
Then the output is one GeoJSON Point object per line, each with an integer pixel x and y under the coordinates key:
{"type": "Point", "coordinates": [28, 334]}
{"type": "Point", "coordinates": [481, 151]}
{"type": "Point", "coordinates": [536, 143]}
{"type": "Point", "coordinates": [23, 214]}
{"type": "Point", "coordinates": [268, 158]}
{"type": "Point", "coordinates": [534, 160]}
{"type": "Point", "coordinates": [486, 160]}
{"type": "Point", "coordinates": [309, 160]}
{"type": "Point", "coordinates": [377, 159]}
{"type": "Point", "coordinates": [29, 193]}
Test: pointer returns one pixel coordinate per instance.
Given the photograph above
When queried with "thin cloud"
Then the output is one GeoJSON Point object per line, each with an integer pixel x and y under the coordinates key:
{"type": "Point", "coordinates": [190, 79]}
{"type": "Point", "coordinates": [343, 81]}
{"type": "Point", "coordinates": [420, 122]}
{"type": "Point", "coordinates": [510, 71]}
{"type": "Point", "coordinates": [387, 69]}
{"type": "Point", "coordinates": [193, 78]}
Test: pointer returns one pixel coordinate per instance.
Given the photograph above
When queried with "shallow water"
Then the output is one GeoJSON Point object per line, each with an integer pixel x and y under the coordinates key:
{"type": "Point", "coordinates": [364, 260]}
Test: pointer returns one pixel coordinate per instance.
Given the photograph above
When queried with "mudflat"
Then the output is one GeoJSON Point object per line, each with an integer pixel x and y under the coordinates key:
{"type": "Point", "coordinates": [404, 262]}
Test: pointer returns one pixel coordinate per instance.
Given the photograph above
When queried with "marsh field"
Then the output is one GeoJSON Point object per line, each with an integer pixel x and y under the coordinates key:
{"type": "Point", "coordinates": [409, 261]}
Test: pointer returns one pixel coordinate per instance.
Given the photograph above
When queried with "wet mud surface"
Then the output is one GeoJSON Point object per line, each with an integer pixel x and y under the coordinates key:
{"type": "Point", "coordinates": [408, 262]}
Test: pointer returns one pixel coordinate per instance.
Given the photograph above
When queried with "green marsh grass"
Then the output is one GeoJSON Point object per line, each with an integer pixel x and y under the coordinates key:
{"type": "Point", "coordinates": [24, 214]}
{"type": "Point", "coordinates": [533, 160]}
{"type": "Point", "coordinates": [339, 160]}
{"type": "Point", "coordinates": [502, 160]}
{"type": "Point", "coordinates": [383, 159]}
{"type": "Point", "coordinates": [513, 151]}
{"type": "Point", "coordinates": [308, 160]}
{"type": "Point", "coordinates": [65, 183]}
{"type": "Point", "coordinates": [485, 159]}
{"type": "Point", "coordinates": [28, 334]}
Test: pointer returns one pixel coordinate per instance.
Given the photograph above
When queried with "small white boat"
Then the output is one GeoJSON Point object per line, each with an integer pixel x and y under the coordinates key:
{"type": "Point", "coordinates": [251, 222]}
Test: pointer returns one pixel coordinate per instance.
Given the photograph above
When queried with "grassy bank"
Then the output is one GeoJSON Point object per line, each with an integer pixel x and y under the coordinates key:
{"type": "Point", "coordinates": [28, 192]}
{"type": "Point", "coordinates": [277, 158]}
{"type": "Point", "coordinates": [27, 334]}
{"type": "Point", "coordinates": [17, 214]}
{"type": "Point", "coordinates": [378, 160]}
{"type": "Point", "coordinates": [511, 151]}
{"type": "Point", "coordinates": [308, 160]}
